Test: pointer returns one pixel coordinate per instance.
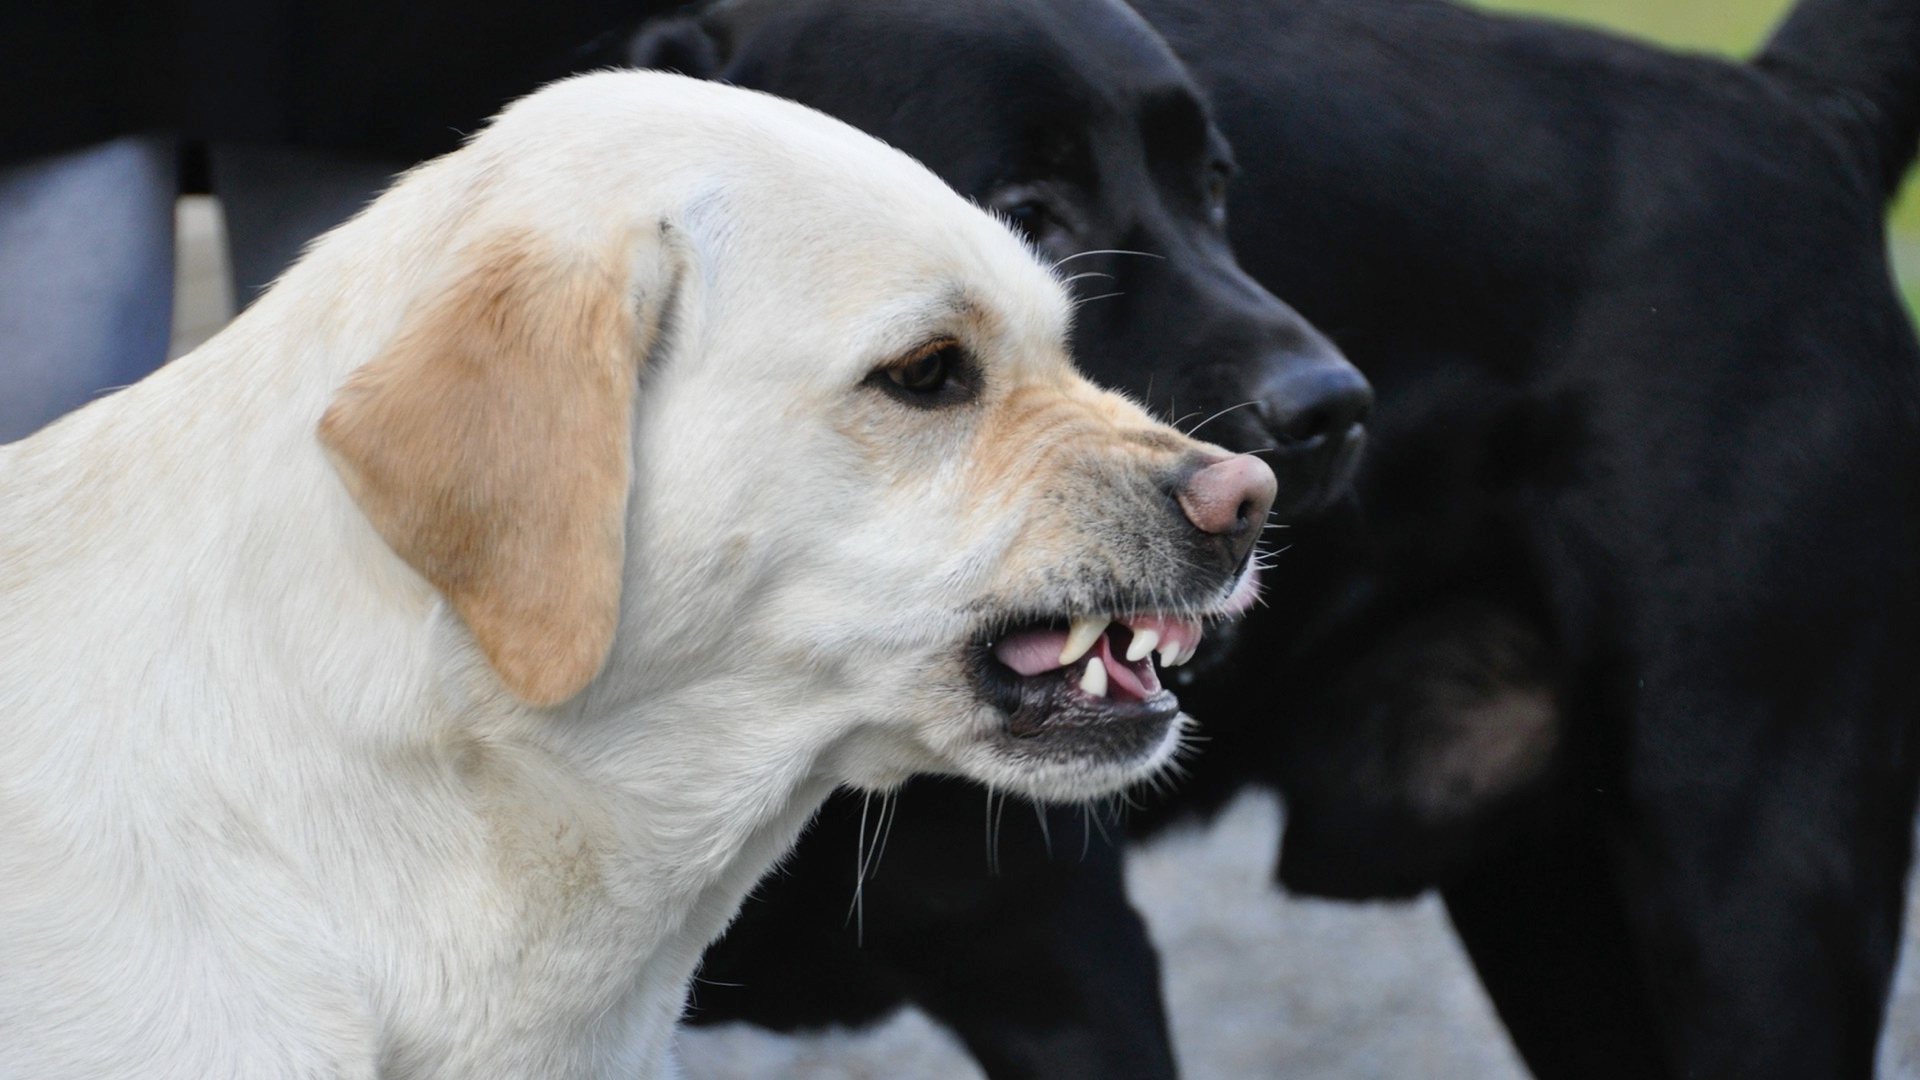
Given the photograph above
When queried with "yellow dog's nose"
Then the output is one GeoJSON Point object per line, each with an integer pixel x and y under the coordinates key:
{"type": "Point", "coordinates": [1230, 499]}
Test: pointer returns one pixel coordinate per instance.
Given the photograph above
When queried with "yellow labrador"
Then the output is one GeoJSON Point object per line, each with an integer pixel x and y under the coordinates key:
{"type": "Point", "coordinates": [413, 679]}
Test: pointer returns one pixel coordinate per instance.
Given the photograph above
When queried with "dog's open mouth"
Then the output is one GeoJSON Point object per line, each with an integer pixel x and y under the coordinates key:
{"type": "Point", "coordinates": [1099, 662]}
{"type": "Point", "coordinates": [1090, 684]}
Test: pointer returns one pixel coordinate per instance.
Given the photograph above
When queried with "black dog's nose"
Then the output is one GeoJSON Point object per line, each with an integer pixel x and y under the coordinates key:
{"type": "Point", "coordinates": [1315, 407]}
{"type": "Point", "coordinates": [1315, 403]}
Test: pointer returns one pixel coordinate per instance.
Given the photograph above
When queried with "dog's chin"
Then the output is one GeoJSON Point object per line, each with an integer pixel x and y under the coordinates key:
{"type": "Point", "coordinates": [1058, 774]}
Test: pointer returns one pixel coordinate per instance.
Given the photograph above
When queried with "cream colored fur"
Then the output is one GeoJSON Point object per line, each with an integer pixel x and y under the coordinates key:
{"type": "Point", "coordinates": [412, 680]}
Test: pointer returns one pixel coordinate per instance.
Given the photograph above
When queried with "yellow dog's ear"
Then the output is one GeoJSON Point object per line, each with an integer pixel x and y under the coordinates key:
{"type": "Point", "coordinates": [489, 443]}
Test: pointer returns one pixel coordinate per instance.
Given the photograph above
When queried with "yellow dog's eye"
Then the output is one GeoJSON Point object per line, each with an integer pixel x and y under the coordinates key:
{"type": "Point", "coordinates": [926, 374]}
{"type": "Point", "coordinates": [937, 373]}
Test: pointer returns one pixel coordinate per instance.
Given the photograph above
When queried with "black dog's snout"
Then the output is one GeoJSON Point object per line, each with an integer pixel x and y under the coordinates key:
{"type": "Point", "coordinates": [1315, 408]}
{"type": "Point", "coordinates": [1316, 403]}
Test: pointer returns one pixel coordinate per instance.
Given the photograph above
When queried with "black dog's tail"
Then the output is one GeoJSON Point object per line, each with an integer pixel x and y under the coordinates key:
{"type": "Point", "coordinates": [1859, 60]}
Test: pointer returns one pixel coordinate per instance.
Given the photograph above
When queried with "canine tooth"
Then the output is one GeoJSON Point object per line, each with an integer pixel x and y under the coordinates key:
{"type": "Point", "coordinates": [1142, 644]}
{"type": "Point", "coordinates": [1186, 654]}
{"type": "Point", "coordinates": [1086, 630]}
{"type": "Point", "coordinates": [1170, 652]}
{"type": "Point", "coordinates": [1094, 682]}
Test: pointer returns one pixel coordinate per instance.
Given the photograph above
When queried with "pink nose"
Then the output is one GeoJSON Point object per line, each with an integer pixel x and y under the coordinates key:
{"type": "Point", "coordinates": [1230, 499]}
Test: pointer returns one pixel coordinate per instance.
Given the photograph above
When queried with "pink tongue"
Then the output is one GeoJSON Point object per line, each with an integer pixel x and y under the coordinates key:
{"type": "Point", "coordinates": [1034, 651]}
{"type": "Point", "coordinates": [1123, 678]}
{"type": "Point", "coordinates": [1031, 652]}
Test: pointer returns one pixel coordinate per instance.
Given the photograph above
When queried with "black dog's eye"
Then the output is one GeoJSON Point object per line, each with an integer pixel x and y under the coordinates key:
{"type": "Point", "coordinates": [1029, 217]}
{"type": "Point", "coordinates": [937, 373]}
{"type": "Point", "coordinates": [1045, 212]}
{"type": "Point", "coordinates": [1217, 178]}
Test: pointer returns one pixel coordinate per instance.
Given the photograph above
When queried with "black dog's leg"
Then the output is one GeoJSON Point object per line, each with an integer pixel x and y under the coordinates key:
{"type": "Point", "coordinates": [1032, 956]}
{"type": "Point", "coordinates": [1547, 935]}
{"type": "Point", "coordinates": [1769, 905]}
{"type": "Point", "coordinates": [1721, 925]}
{"type": "Point", "coordinates": [1039, 963]}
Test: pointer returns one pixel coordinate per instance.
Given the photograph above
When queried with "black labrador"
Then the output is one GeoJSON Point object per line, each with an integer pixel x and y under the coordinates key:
{"type": "Point", "coordinates": [1617, 644]}
{"type": "Point", "coordinates": [1622, 647]}
{"type": "Point", "coordinates": [1074, 121]}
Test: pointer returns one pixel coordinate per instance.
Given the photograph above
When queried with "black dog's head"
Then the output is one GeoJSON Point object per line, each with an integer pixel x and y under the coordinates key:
{"type": "Point", "coordinates": [1074, 121]}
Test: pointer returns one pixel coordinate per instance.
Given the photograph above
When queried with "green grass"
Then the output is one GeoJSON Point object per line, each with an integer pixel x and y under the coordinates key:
{"type": "Point", "coordinates": [1732, 28]}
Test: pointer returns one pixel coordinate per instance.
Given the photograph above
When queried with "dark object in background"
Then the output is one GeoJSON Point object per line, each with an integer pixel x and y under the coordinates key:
{"type": "Point", "coordinates": [404, 80]}
{"type": "Point", "coordinates": [1072, 119]}
{"type": "Point", "coordinates": [1621, 649]}
{"type": "Point", "coordinates": [294, 111]}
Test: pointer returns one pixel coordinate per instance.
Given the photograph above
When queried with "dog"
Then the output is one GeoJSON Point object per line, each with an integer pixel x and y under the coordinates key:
{"type": "Point", "coordinates": [413, 679]}
{"type": "Point", "coordinates": [1660, 772]}
{"type": "Point", "coordinates": [1617, 648]}
{"type": "Point", "coordinates": [1074, 121]}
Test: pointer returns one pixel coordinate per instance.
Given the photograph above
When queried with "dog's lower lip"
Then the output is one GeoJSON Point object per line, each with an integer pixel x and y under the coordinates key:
{"type": "Point", "coordinates": [1051, 712]}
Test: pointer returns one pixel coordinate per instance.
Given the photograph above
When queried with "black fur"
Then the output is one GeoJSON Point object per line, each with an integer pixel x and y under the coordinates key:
{"type": "Point", "coordinates": [1017, 936]}
{"type": "Point", "coordinates": [1644, 475]}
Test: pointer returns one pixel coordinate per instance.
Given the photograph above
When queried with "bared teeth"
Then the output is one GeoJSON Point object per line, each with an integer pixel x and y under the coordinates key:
{"type": "Point", "coordinates": [1094, 682]}
{"type": "Point", "coordinates": [1084, 631]}
{"type": "Point", "coordinates": [1174, 652]}
{"type": "Point", "coordinates": [1142, 644]}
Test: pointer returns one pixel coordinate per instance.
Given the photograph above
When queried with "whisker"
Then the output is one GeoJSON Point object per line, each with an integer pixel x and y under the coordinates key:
{"type": "Point", "coordinates": [1218, 415]}
{"type": "Point", "coordinates": [996, 834]}
{"type": "Point", "coordinates": [1086, 274]}
{"type": "Point", "coordinates": [1109, 251]}
{"type": "Point", "coordinates": [993, 862]}
{"type": "Point", "coordinates": [889, 809]}
{"type": "Point", "coordinates": [1098, 824]}
{"type": "Point", "coordinates": [857, 913]}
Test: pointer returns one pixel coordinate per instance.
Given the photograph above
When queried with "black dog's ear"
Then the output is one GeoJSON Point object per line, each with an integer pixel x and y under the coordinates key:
{"type": "Point", "coordinates": [678, 43]}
